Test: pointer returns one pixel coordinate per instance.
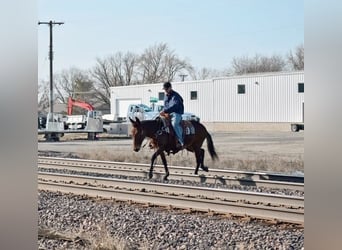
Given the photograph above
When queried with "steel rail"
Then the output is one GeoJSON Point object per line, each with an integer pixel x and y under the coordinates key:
{"type": "Point", "coordinates": [178, 173]}
{"type": "Point", "coordinates": [198, 204]}
{"type": "Point", "coordinates": [207, 193]}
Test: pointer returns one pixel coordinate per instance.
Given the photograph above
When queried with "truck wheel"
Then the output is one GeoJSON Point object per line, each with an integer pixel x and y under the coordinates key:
{"type": "Point", "coordinates": [294, 128]}
{"type": "Point", "coordinates": [92, 136]}
{"type": "Point", "coordinates": [51, 137]}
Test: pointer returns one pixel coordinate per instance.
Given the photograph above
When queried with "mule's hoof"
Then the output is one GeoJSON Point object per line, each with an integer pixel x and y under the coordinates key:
{"type": "Point", "coordinates": [196, 172]}
{"type": "Point", "coordinates": [204, 168]}
{"type": "Point", "coordinates": [150, 175]}
{"type": "Point", "coordinates": [165, 177]}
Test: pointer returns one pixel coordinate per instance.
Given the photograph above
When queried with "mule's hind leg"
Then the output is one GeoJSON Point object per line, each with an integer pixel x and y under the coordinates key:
{"type": "Point", "coordinates": [199, 153]}
{"type": "Point", "coordinates": [198, 159]}
{"type": "Point", "coordinates": [162, 155]}
{"type": "Point", "coordinates": [202, 161]}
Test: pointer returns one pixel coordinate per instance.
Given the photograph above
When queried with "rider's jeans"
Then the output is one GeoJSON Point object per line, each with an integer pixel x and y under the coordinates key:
{"type": "Point", "coordinates": [175, 121]}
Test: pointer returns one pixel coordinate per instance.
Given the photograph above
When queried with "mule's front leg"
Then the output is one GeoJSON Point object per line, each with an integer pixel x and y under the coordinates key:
{"type": "Point", "coordinates": [154, 156]}
{"type": "Point", "coordinates": [162, 155]}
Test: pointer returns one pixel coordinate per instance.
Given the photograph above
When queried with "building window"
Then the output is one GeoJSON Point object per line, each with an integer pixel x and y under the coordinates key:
{"type": "Point", "coordinates": [241, 89]}
{"type": "Point", "coordinates": [193, 95]}
{"type": "Point", "coordinates": [161, 96]}
{"type": "Point", "coordinates": [301, 87]}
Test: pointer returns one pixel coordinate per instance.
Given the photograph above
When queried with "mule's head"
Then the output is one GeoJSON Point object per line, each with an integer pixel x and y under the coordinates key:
{"type": "Point", "coordinates": [137, 133]}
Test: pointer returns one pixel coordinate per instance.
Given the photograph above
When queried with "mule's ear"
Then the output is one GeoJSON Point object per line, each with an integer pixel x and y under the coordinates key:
{"type": "Point", "coordinates": [137, 120]}
{"type": "Point", "coordinates": [133, 122]}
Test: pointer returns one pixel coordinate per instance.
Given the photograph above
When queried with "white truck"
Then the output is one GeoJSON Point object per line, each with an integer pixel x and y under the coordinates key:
{"type": "Point", "coordinates": [142, 111]}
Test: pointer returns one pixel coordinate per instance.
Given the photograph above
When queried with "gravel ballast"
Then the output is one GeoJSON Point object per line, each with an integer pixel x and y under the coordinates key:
{"type": "Point", "coordinates": [88, 221]}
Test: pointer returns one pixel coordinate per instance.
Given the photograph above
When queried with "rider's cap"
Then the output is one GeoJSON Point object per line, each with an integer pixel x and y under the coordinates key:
{"type": "Point", "coordinates": [167, 85]}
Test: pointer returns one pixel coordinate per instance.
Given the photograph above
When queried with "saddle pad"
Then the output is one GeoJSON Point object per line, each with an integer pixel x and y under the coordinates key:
{"type": "Point", "coordinates": [188, 128]}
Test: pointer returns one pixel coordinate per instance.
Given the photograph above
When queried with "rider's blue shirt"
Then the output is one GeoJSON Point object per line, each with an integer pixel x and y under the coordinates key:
{"type": "Point", "coordinates": [173, 103]}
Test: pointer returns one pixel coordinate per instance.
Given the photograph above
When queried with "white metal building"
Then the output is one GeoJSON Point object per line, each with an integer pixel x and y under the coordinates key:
{"type": "Point", "coordinates": [254, 98]}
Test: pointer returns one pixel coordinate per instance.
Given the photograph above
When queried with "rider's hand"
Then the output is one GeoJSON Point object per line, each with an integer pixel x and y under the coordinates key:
{"type": "Point", "coordinates": [162, 113]}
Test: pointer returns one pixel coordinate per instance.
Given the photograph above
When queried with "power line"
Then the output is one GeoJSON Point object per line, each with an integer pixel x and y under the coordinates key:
{"type": "Point", "coordinates": [51, 23]}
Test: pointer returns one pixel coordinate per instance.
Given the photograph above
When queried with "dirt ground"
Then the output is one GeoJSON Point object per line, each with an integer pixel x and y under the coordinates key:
{"type": "Point", "coordinates": [277, 151]}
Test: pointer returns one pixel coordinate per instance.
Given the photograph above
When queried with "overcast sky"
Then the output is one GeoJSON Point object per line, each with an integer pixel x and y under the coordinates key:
{"type": "Point", "coordinates": [209, 33]}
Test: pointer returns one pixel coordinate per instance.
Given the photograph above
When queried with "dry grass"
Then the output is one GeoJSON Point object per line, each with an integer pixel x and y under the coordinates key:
{"type": "Point", "coordinates": [276, 151]}
{"type": "Point", "coordinates": [101, 239]}
{"type": "Point", "coordinates": [98, 239]}
{"type": "Point", "coordinates": [274, 163]}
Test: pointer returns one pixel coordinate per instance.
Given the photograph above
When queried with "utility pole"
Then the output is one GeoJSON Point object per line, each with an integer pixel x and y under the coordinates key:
{"type": "Point", "coordinates": [51, 23]}
{"type": "Point", "coordinates": [183, 76]}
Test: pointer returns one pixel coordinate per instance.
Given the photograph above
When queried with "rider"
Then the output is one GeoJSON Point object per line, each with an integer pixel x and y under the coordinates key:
{"type": "Point", "coordinates": [173, 105]}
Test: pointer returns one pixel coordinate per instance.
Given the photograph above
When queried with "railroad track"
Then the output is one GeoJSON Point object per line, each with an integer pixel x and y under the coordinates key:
{"type": "Point", "coordinates": [226, 177]}
{"type": "Point", "coordinates": [237, 203]}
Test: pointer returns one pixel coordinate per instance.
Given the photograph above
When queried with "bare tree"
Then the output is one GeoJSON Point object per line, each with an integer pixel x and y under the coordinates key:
{"type": "Point", "coordinates": [173, 65]}
{"type": "Point", "coordinates": [43, 96]}
{"type": "Point", "coordinates": [296, 59]}
{"type": "Point", "coordinates": [151, 63]}
{"type": "Point", "coordinates": [258, 63]}
{"type": "Point", "coordinates": [116, 70]}
{"type": "Point", "coordinates": [73, 83]}
{"type": "Point", "coordinates": [158, 64]}
{"type": "Point", "coordinates": [130, 65]}
{"type": "Point", "coordinates": [205, 73]}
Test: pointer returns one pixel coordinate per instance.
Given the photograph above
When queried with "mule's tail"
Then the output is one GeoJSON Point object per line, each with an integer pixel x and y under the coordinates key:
{"type": "Point", "coordinates": [211, 147]}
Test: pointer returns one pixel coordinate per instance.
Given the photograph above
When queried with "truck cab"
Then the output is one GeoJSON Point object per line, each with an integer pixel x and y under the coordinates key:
{"type": "Point", "coordinates": [144, 112]}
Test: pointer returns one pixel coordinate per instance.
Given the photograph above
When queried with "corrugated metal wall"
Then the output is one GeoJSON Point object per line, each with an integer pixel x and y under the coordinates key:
{"type": "Point", "coordinates": [270, 97]}
{"type": "Point", "coordinates": [203, 105]}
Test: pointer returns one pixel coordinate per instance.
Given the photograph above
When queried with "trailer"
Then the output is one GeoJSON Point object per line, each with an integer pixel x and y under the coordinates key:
{"type": "Point", "coordinates": [56, 126]}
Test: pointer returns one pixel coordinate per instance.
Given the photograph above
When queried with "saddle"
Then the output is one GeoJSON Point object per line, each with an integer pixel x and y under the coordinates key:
{"type": "Point", "coordinates": [188, 128]}
{"type": "Point", "coordinates": [166, 129]}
